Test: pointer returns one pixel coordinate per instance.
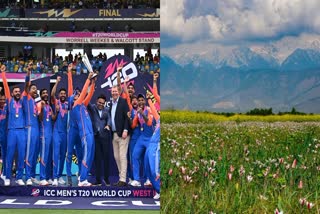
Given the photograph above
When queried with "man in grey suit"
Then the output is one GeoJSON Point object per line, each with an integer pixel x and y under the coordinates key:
{"type": "Point", "coordinates": [120, 129]}
{"type": "Point", "coordinates": [101, 122]}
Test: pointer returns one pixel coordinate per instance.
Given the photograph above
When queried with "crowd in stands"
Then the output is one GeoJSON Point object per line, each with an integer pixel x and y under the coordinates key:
{"type": "Point", "coordinates": [18, 64]}
{"type": "Point", "coordinates": [83, 4]}
{"type": "Point", "coordinates": [148, 62]}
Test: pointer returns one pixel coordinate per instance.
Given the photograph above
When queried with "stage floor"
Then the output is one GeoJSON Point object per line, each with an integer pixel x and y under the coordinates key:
{"type": "Point", "coordinates": [83, 203]}
{"type": "Point", "coordinates": [74, 197]}
{"type": "Point", "coordinates": [75, 191]}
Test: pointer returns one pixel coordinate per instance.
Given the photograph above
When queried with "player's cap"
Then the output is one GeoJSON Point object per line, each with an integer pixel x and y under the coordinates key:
{"type": "Point", "coordinates": [141, 95]}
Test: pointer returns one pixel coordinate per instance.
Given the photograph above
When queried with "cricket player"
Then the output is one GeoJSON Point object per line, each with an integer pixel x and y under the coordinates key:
{"type": "Point", "coordinates": [145, 119]}
{"type": "Point", "coordinates": [61, 107]}
{"type": "Point", "coordinates": [31, 113]}
{"type": "Point", "coordinates": [3, 131]}
{"type": "Point", "coordinates": [82, 118]}
{"type": "Point", "coordinates": [152, 157]}
{"type": "Point", "coordinates": [73, 137]}
{"type": "Point", "coordinates": [46, 118]}
{"type": "Point", "coordinates": [16, 131]}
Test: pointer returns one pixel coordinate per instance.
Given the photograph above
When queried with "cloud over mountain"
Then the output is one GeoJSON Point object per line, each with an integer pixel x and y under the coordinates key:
{"type": "Point", "coordinates": [234, 20]}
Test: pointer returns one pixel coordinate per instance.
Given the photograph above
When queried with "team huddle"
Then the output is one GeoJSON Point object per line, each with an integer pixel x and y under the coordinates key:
{"type": "Point", "coordinates": [50, 130]}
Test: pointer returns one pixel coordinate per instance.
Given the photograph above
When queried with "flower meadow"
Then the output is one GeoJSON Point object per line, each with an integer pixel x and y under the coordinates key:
{"type": "Point", "coordinates": [240, 167]}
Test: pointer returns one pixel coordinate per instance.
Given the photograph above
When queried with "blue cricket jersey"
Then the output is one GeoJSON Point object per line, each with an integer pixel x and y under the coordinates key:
{"type": "Point", "coordinates": [62, 118]}
{"type": "Point", "coordinates": [46, 123]}
{"type": "Point", "coordinates": [16, 117]}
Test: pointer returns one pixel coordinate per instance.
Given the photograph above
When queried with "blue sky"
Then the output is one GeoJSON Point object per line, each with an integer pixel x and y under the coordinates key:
{"type": "Point", "coordinates": [228, 22]}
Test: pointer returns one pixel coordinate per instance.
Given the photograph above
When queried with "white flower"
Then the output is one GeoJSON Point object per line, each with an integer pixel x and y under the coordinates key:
{"type": "Point", "coordinates": [278, 211]}
{"type": "Point", "coordinates": [177, 163]}
{"type": "Point", "coordinates": [212, 163]}
{"type": "Point", "coordinates": [310, 205]}
{"type": "Point", "coordinates": [302, 201]}
{"type": "Point", "coordinates": [212, 183]}
{"type": "Point", "coordinates": [241, 170]}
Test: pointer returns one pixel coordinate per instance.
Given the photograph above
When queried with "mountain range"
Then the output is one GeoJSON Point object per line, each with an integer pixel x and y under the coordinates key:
{"type": "Point", "coordinates": [243, 79]}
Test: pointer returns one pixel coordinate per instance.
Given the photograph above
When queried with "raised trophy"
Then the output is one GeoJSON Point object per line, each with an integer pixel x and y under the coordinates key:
{"type": "Point", "coordinates": [87, 63]}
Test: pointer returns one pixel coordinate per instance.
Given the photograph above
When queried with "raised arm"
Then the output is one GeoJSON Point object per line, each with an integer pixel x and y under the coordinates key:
{"type": "Point", "coordinates": [54, 89]}
{"type": "Point", "coordinates": [84, 91]}
{"type": "Point", "coordinates": [5, 83]}
{"type": "Point", "coordinates": [125, 91]}
{"type": "Point", "coordinates": [70, 84]}
{"type": "Point", "coordinates": [90, 94]}
{"type": "Point", "coordinates": [129, 102]}
{"type": "Point", "coordinates": [28, 81]}
{"type": "Point", "coordinates": [153, 108]}
{"type": "Point", "coordinates": [155, 88]}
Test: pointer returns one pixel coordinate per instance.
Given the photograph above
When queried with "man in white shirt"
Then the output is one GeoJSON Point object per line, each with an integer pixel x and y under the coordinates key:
{"type": "Point", "coordinates": [120, 133]}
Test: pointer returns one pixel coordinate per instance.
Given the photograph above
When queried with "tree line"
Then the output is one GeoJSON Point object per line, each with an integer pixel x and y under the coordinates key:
{"type": "Point", "coordinates": [259, 112]}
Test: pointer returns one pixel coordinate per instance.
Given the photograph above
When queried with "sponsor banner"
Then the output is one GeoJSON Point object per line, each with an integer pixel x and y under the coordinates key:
{"type": "Point", "coordinates": [112, 40]}
{"type": "Point", "coordinates": [95, 191]}
{"type": "Point", "coordinates": [79, 203]}
{"type": "Point", "coordinates": [92, 13]}
{"type": "Point", "coordinates": [114, 35]}
{"type": "Point", "coordinates": [80, 37]}
{"type": "Point", "coordinates": [108, 35]}
{"type": "Point", "coordinates": [44, 39]}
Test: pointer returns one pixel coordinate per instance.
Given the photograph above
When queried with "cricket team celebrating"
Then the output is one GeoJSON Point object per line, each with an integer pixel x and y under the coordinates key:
{"type": "Point", "coordinates": [49, 131]}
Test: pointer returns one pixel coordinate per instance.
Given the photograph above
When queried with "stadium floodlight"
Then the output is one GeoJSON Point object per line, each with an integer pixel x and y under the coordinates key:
{"type": "Point", "coordinates": [87, 63]}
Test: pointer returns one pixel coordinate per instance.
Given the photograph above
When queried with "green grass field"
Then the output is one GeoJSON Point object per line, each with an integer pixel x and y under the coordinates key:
{"type": "Point", "coordinates": [203, 117]}
{"type": "Point", "coordinates": [234, 166]}
{"type": "Point", "coordinates": [41, 211]}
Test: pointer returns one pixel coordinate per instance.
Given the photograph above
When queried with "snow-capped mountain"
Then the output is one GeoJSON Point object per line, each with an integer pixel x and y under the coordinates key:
{"type": "Point", "coordinates": [245, 78]}
{"type": "Point", "coordinates": [302, 59]}
{"type": "Point", "coordinates": [245, 58]}
{"type": "Point", "coordinates": [274, 54]}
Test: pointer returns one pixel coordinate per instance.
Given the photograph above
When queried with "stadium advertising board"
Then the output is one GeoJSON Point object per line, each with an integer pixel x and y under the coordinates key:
{"type": "Point", "coordinates": [81, 13]}
{"type": "Point", "coordinates": [81, 37]}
